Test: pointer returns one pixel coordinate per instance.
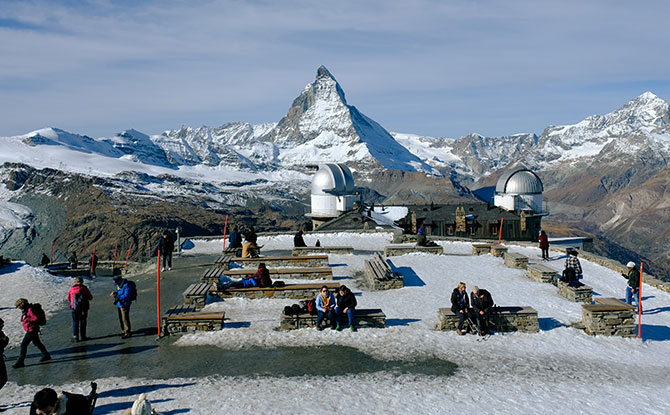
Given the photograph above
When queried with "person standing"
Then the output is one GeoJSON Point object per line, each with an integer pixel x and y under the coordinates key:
{"type": "Point", "coordinates": [325, 307]}
{"type": "Point", "coordinates": [30, 319]}
{"type": "Point", "coordinates": [124, 295]}
{"type": "Point", "coordinates": [79, 297]}
{"type": "Point", "coordinates": [166, 246]}
{"type": "Point", "coordinates": [633, 277]}
{"type": "Point", "coordinates": [346, 304]}
{"type": "Point", "coordinates": [4, 341]}
{"type": "Point", "coordinates": [544, 245]}
{"type": "Point", "coordinates": [460, 305]}
{"type": "Point", "coordinates": [298, 240]}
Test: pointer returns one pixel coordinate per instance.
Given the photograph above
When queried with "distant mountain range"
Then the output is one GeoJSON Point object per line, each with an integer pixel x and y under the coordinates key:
{"type": "Point", "coordinates": [607, 175]}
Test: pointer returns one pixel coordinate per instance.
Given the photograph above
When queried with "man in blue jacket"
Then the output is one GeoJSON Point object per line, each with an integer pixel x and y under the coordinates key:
{"type": "Point", "coordinates": [123, 297]}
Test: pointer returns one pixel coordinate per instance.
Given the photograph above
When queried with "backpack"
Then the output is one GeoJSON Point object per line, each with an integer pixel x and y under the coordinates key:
{"type": "Point", "coordinates": [295, 308]}
{"type": "Point", "coordinates": [278, 284]}
{"type": "Point", "coordinates": [132, 290]}
{"type": "Point", "coordinates": [311, 307]}
{"type": "Point", "coordinates": [38, 311]}
{"type": "Point", "coordinates": [288, 310]}
{"type": "Point", "coordinates": [569, 275]}
{"type": "Point", "coordinates": [80, 302]}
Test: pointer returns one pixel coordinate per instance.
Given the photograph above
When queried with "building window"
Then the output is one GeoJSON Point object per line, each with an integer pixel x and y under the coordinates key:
{"type": "Point", "coordinates": [450, 230]}
{"type": "Point", "coordinates": [494, 229]}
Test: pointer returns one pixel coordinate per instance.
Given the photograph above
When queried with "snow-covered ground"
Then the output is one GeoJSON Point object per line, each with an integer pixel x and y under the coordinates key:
{"type": "Point", "coordinates": [560, 369]}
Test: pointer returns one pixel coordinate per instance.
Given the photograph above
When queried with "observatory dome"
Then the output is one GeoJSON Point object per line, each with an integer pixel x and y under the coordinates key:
{"type": "Point", "coordinates": [333, 179]}
{"type": "Point", "coordinates": [520, 182]}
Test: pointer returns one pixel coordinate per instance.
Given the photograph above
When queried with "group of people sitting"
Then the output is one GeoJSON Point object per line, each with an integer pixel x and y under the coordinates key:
{"type": "Point", "coordinates": [482, 304]}
{"type": "Point", "coordinates": [247, 249]}
{"type": "Point", "coordinates": [335, 307]}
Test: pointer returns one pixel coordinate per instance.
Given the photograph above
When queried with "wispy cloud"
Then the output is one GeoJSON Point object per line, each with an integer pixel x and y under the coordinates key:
{"type": "Point", "coordinates": [442, 68]}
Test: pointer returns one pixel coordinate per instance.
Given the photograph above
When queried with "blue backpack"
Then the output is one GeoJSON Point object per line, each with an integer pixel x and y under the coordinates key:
{"type": "Point", "coordinates": [132, 290]}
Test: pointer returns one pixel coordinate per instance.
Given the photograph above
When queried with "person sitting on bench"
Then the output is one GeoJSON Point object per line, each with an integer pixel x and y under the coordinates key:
{"type": "Point", "coordinates": [250, 249]}
{"type": "Point", "coordinates": [346, 304]}
{"type": "Point", "coordinates": [481, 306]}
{"type": "Point", "coordinates": [325, 307]}
{"type": "Point", "coordinates": [573, 270]}
{"type": "Point", "coordinates": [460, 305]}
{"type": "Point", "coordinates": [422, 240]}
{"type": "Point", "coordinates": [260, 279]}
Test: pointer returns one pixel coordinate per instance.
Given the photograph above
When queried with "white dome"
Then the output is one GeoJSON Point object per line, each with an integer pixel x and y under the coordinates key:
{"type": "Point", "coordinates": [333, 179]}
{"type": "Point", "coordinates": [520, 182]}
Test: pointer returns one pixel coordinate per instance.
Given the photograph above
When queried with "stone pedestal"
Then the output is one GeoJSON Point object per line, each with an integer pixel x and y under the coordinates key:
{"type": "Point", "coordinates": [504, 319]}
{"type": "Point", "coordinates": [481, 249]}
{"type": "Point", "coordinates": [498, 250]}
{"type": "Point", "coordinates": [397, 250]}
{"type": "Point", "coordinates": [362, 318]}
{"type": "Point", "coordinates": [610, 317]}
{"type": "Point", "coordinates": [581, 294]}
{"type": "Point", "coordinates": [542, 273]}
{"type": "Point", "coordinates": [514, 260]}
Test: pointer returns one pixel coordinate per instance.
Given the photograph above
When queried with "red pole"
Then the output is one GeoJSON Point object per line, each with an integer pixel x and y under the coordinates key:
{"type": "Point", "coordinates": [52, 252]}
{"type": "Point", "coordinates": [116, 246]}
{"type": "Point", "coordinates": [639, 304]}
{"type": "Point", "coordinates": [500, 233]}
{"type": "Point", "coordinates": [128, 255]}
{"type": "Point", "coordinates": [158, 291]}
{"type": "Point", "coordinates": [225, 228]}
{"type": "Point", "coordinates": [92, 260]}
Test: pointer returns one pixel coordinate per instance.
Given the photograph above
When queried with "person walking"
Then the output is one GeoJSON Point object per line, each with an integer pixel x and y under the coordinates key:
{"type": "Point", "coordinates": [166, 246]}
{"type": "Point", "coordinates": [31, 314]}
{"type": "Point", "coordinates": [460, 305]}
{"type": "Point", "coordinates": [633, 277]}
{"type": "Point", "coordinates": [544, 245]}
{"type": "Point", "coordinates": [4, 341]}
{"type": "Point", "coordinates": [124, 295]}
{"type": "Point", "coordinates": [79, 297]}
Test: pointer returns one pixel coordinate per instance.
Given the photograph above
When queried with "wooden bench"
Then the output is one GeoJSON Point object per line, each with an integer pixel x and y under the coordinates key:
{"type": "Point", "coordinates": [498, 250]}
{"type": "Point", "coordinates": [397, 250]}
{"type": "Point", "coordinates": [185, 318]}
{"type": "Point", "coordinates": [516, 260]}
{"type": "Point", "coordinates": [196, 294]}
{"type": "Point", "coordinates": [380, 275]}
{"type": "Point", "coordinates": [224, 261]}
{"type": "Point", "coordinates": [315, 261]}
{"type": "Point", "coordinates": [306, 250]}
{"type": "Point", "coordinates": [292, 291]}
{"type": "Point", "coordinates": [581, 294]}
{"type": "Point", "coordinates": [213, 274]}
{"type": "Point", "coordinates": [509, 318]}
{"type": "Point", "coordinates": [325, 273]}
{"type": "Point", "coordinates": [362, 318]}
{"type": "Point", "coordinates": [609, 317]}
{"type": "Point", "coordinates": [481, 249]}
{"type": "Point", "coordinates": [542, 273]}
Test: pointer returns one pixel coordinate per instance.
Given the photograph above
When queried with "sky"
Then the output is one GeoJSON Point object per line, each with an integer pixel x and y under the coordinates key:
{"type": "Point", "coordinates": [437, 68]}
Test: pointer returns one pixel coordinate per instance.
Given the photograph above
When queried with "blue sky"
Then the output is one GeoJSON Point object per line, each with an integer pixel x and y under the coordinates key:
{"type": "Point", "coordinates": [439, 68]}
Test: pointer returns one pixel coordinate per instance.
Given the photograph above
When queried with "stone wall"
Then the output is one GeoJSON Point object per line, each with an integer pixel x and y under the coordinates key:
{"type": "Point", "coordinates": [542, 273]}
{"type": "Point", "coordinates": [481, 249]}
{"type": "Point", "coordinates": [498, 250]}
{"type": "Point", "coordinates": [504, 319]}
{"type": "Point", "coordinates": [322, 250]}
{"type": "Point", "coordinates": [397, 250]}
{"type": "Point", "coordinates": [185, 319]}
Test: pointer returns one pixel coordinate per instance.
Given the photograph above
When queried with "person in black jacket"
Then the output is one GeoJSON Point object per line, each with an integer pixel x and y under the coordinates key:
{"type": "Point", "coordinates": [481, 306]}
{"type": "Point", "coordinates": [47, 401]}
{"type": "Point", "coordinates": [235, 239]}
{"type": "Point", "coordinates": [346, 304]}
{"type": "Point", "coordinates": [166, 246]}
{"type": "Point", "coordinates": [298, 240]}
{"type": "Point", "coordinates": [4, 341]}
{"type": "Point", "coordinates": [460, 305]}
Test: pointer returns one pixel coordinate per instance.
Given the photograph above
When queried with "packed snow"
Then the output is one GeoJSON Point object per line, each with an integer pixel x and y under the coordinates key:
{"type": "Point", "coordinates": [560, 369]}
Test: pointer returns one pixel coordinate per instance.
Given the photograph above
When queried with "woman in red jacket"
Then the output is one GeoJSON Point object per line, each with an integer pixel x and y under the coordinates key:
{"type": "Point", "coordinates": [32, 328]}
{"type": "Point", "coordinates": [544, 245]}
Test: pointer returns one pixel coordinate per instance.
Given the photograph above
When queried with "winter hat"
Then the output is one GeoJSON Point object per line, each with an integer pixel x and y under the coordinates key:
{"type": "Point", "coordinates": [631, 264]}
{"type": "Point", "coordinates": [420, 231]}
{"type": "Point", "coordinates": [475, 289]}
{"type": "Point", "coordinates": [116, 278]}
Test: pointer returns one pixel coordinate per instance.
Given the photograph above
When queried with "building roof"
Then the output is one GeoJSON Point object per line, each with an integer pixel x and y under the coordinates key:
{"type": "Point", "coordinates": [521, 182]}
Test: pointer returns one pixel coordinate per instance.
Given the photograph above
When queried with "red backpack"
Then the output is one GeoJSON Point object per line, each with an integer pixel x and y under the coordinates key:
{"type": "Point", "coordinates": [311, 306]}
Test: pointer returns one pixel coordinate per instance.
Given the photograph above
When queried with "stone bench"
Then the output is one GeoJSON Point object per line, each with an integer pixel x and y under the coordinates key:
{"type": "Point", "coordinates": [70, 272]}
{"type": "Point", "coordinates": [362, 318]}
{"type": "Point", "coordinates": [324, 273]}
{"type": "Point", "coordinates": [581, 294]}
{"type": "Point", "coordinates": [196, 294]}
{"type": "Point", "coordinates": [503, 319]}
{"type": "Point", "coordinates": [186, 319]}
{"type": "Point", "coordinates": [397, 250]}
{"type": "Point", "coordinates": [283, 261]}
{"type": "Point", "coordinates": [380, 275]}
{"type": "Point", "coordinates": [292, 291]}
{"type": "Point", "coordinates": [516, 260]}
{"type": "Point", "coordinates": [498, 250]}
{"type": "Point", "coordinates": [609, 317]}
{"type": "Point", "coordinates": [481, 249]}
{"type": "Point", "coordinates": [306, 250]}
{"type": "Point", "coordinates": [542, 273]}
